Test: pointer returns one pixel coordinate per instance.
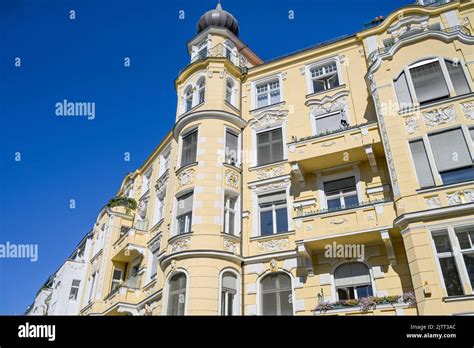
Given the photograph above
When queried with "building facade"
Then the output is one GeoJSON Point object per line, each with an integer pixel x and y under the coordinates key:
{"type": "Point", "coordinates": [335, 180]}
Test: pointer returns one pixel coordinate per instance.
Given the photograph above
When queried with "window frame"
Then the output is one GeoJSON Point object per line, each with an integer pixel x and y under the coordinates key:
{"type": "Point", "coordinates": [185, 134]}
{"type": "Point", "coordinates": [188, 220]}
{"type": "Point", "coordinates": [335, 294]}
{"type": "Point", "coordinates": [116, 281]}
{"type": "Point", "coordinates": [201, 89]}
{"type": "Point", "coordinates": [235, 132]}
{"type": "Point", "coordinates": [261, 292]}
{"type": "Point", "coordinates": [269, 130]}
{"type": "Point", "coordinates": [316, 64]}
{"type": "Point", "coordinates": [226, 213]}
{"type": "Point", "coordinates": [266, 81]}
{"type": "Point", "coordinates": [273, 209]}
{"type": "Point", "coordinates": [76, 290]}
{"type": "Point", "coordinates": [166, 308]}
{"type": "Point", "coordinates": [321, 178]}
{"type": "Point", "coordinates": [237, 307]}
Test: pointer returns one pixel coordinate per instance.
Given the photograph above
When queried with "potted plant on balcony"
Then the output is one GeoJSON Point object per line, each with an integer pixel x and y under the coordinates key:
{"type": "Point", "coordinates": [126, 202]}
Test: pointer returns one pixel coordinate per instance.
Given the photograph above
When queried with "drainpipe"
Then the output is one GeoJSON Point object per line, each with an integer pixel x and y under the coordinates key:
{"type": "Point", "coordinates": [241, 212]}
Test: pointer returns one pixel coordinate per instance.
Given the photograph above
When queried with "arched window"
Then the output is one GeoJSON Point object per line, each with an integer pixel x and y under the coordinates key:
{"type": "Point", "coordinates": [188, 98]}
{"type": "Point", "coordinates": [430, 80]}
{"type": "Point", "coordinates": [177, 294]}
{"type": "Point", "coordinates": [229, 298]}
{"type": "Point", "coordinates": [277, 294]}
{"type": "Point", "coordinates": [201, 89]}
{"type": "Point", "coordinates": [229, 91]}
{"type": "Point", "coordinates": [352, 281]}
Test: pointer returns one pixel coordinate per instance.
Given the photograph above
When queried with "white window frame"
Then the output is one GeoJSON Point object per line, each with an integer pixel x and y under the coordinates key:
{"type": "Point", "coordinates": [260, 291]}
{"type": "Point", "coordinates": [146, 181]}
{"type": "Point", "coordinates": [342, 111]}
{"type": "Point", "coordinates": [321, 178]}
{"type": "Point", "coordinates": [174, 223]}
{"type": "Point", "coordinates": [273, 209]}
{"type": "Point", "coordinates": [444, 69]}
{"type": "Point", "coordinates": [166, 291]}
{"type": "Point", "coordinates": [455, 253]}
{"type": "Point", "coordinates": [226, 216]}
{"type": "Point", "coordinates": [263, 81]}
{"type": "Point", "coordinates": [239, 145]}
{"type": "Point", "coordinates": [233, 92]}
{"type": "Point", "coordinates": [180, 143]}
{"type": "Point", "coordinates": [112, 281]}
{"type": "Point", "coordinates": [255, 133]}
{"type": "Point", "coordinates": [165, 160]}
{"type": "Point", "coordinates": [76, 292]}
{"type": "Point", "coordinates": [229, 46]}
{"type": "Point", "coordinates": [335, 295]}
{"type": "Point", "coordinates": [237, 307]}
{"type": "Point", "coordinates": [309, 79]}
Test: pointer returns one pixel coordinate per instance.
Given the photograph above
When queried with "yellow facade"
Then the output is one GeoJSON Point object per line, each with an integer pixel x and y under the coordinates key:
{"type": "Point", "coordinates": [247, 233]}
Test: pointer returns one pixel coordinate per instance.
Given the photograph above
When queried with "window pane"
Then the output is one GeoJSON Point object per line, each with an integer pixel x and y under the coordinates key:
{"type": "Point", "coordinates": [262, 100]}
{"type": "Point", "coordinates": [334, 204]}
{"type": "Point", "coordinates": [318, 86]}
{"type": "Point", "coordinates": [451, 276]}
{"type": "Point", "coordinates": [351, 201]}
{"type": "Point", "coordinates": [364, 291]}
{"type": "Point", "coordinates": [266, 223]}
{"type": "Point", "coordinates": [269, 304]}
{"type": "Point", "coordinates": [286, 306]}
{"type": "Point", "coordinates": [189, 149]}
{"type": "Point", "coordinates": [450, 150]}
{"type": "Point", "coordinates": [429, 83]}
{"type": "Point", "coordinates": [469, 262]}
{"type": "Point", "coordinates": [346, 293]}
{"type": "Point", "coordinates": [263, 154]}
{"type": "Point", "coordinates": [403, 92]}
{"type": "Point", "coordinates": [463, 238]}
{"type": "Point", "coordinates": [329, 123]}
{"type": "Point", "coordinates": [185, 204]}
{"type": "Point", "coordinates": [231, 148]}
{"type": "Point", "coordinates": [269, 282]}
{"type": "Point", "coordinates": [340, 184]}
{"type": "Point", "coordinates": [442, 243]}
{"type": "Point", "coordinates": [456, 73]}
{"type": "Point", "coordinates": [422, 165]}
{"type": "Point", "coordinates": [281, 220]}
{"type": "Point", "coordinates": [458, 175]}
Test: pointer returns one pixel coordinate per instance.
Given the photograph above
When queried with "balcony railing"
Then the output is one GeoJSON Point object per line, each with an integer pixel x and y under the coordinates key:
{"type": "Point", "coordinates": [382, 50]}
{"type": "Point", "coordinates": [303, 213]}
{"type": "Point", "coordinates": [220, 51]}
{"type": "Point", "coordinates": [434, 3]}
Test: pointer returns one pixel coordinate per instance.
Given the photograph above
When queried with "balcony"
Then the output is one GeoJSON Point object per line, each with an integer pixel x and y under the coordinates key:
{"type": "Point", "coordinates": [131, 244]}
{"type": "Point", "coordinates": [352, 144]}
{"type": "Point", "coordinates": [374, 55]}
{"type": "Point", "coordinates": [220, 51]}
{"type": "Point", "coordinates": [123, 299]}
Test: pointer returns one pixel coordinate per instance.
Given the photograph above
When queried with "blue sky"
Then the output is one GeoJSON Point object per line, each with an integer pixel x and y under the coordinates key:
{"type": "Point", "coordinates": [64, 158]}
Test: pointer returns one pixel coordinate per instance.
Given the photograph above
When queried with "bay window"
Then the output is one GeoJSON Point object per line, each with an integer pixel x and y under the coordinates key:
{"type": "Point", "coordinates": [189, 148]}
{"type": "Point", "coordinates": [341, 193]}
{"type": "Point", "coordinates": [273, 213]}
{"type": "Point", "coordinates": [269, 146]}
{"type": "Point", "coordinates": [184, 213]}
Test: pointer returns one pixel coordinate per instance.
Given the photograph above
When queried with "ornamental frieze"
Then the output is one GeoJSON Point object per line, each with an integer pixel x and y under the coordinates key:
{"type": "Point", "coordinates": [433, 202]}
{"type": "Point", "coordinates": [411, 124]}
{"type": "Point", "coordinates": [268, 118]}
{"type": "Point", "coordinates": [231, 178]}
{"type": "Point", "coordinates": [439, 116]}
{"type": "Point", "coordinates": [271, 172]}
{"type": "Point", "coordinates": [468, 110]}
{"type": "Point", "coordinates": [180, 245]}
{"type": "Point", "coordinates": [460, 197]}
{"type": "Point", "coordinates": [274, 245]}
{"type": "Point", "coordinates": [231, 245]}
{"type": "Point", "coordinates": [186, 178]}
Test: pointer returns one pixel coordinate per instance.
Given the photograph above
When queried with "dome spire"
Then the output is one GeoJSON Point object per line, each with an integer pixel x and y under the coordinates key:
{"type": "Point", "coordinates": [218, 18]}
{"type": "Point", "coordinates": [219, 5]}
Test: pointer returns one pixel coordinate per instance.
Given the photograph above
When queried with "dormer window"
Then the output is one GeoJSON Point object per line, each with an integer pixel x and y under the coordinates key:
{"type": "Point", "coordinates": [324, 77]}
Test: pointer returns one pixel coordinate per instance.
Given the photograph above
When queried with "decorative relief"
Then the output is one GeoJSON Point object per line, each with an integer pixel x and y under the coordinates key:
{"type": "Point", "coordinates": [338, 222]}
{"type": "Point", "coordinates": [302, 70]}
{"type": "Point", "coordinates": [439, 116]}
{"type": "Point", "coordinates": [161, 185]}
{"type": "Point", "coordinates": [142, 207]}
{"type": "Point", "coordinates": [232, 178]}
{"type": "Point", "coordinates": [328, 103]}
{"type": "Point", "coordinates": [460, 197]}
{"type": "Point", "coordinates": [186, 178]}
{"type": "Point", "coordinates": [271, 186]}
{"type": "Point", "coordinates": [268, 117]}
{"type": "Point", "coordinates": [270, 172]}
{"type": "Point", "coordinates": [231, 245]}
{"type": "Point", "coordinates": [173, 265]}
{"type": "Point", "coordinates": [411, 124]}
{"type": "Point", "coordinates": [180, 245]}
{"type": "Point", "coordinates": [432, 202]}
{"type": "Point", "coordinates": [328, 144]}
{"type": "Point", "coordinates": [274, 245]}
{"type": "Point", "coordinates": [468, 110]}
{"type": "Point", "coordinates": [273, 265]}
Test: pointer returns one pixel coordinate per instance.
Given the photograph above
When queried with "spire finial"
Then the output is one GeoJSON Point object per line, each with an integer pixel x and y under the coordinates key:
{"type": "Point", "coordinates": [219, 6]}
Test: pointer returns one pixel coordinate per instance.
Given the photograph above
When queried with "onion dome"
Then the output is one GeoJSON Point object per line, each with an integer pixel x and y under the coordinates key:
{"type": "Point", "coordinates": [218, 18]}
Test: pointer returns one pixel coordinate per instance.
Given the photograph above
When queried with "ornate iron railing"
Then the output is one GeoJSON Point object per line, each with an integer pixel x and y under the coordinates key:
{"type": "Point", "coordinates": [302, 213]}
{"type": "Point", "coordinates": [382, 50]}
{"type": "Point", "coordinates": [221, 51]}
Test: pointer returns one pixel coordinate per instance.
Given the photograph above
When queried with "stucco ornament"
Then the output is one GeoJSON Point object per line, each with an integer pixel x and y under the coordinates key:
{"type": "Point", "coordinates": [268, 118]}
{"type": "Point", "coordinates": [271, 172]}
{"type": "Point", "coordinates": [433, 202]}
{"type": "Point", "coordinates": [460, 197]}
{"type": "Point", "coordinates": [186, 177]}
{"type": "Point", "coordinates": [231, 245]}
{"type": "Point", "coordinates": [328, 104]}
{"type": "Point", "coordinates": [468, 110]}
{"type": "Point", "coordinates": [411, 124]}
{"type": "Point", "coordinates": [142, 207]}
{"type": "Point", "coordinates": [180, 245]}
{"type": "Point", "coordinates": [173, 265]}
{"type": "Point", "coordinates": [161, 185]}
{"type": "Point", "coordinates": [439, 116]}
{"type": "Point", "coordinates": [273, 265]}
{"type": "Point", "coordinates": [232, 178]}
{"type": "Point", "coordinates": [274, 245]}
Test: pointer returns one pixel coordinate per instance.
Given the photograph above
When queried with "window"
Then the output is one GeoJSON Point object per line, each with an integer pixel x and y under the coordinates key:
{"type": "Point", "coordinates": [273, 213]}
{"type": "Point", "coordinates": [231, 148]}
{"type": "Point", "coordinates": [202, 50]}
{"type": "Point", "coordinates": [146, 181]}
{"type": "Point", "coordinates": [158, 209]}
{"type": "Point", "coordinates": [352, 281]}
{"type": "Point", "coordinates": [465, 236]}
{"type": "Point", "coordinates": [229, 91]}
{"type": "Point", "coordinates": [277, 294]}
{"type": "Point", "coordinates": [331, 122]}
{"type": "Point", "coordinates": [124, 230]}
{"type": "Point", "coordinates": [154, 264]}
{"type": "Point", "coordinates": [92, 287]}
{"type": "Point", "coordinates": [324, 77]}
{"type": "Point", "coordinates": [229, 300]}
{"type": "Point", "coordinates": [447, 263]}
{"type": "Point", "coordinates": [341, 193]}
{"type": "Point", "coordinates": [188, 98]}
{"type": "Point", "coordinates": [74, 290]}
{"type": "Point", "coordinates": [422, 165]}
{"type": "Point", "coordinates": [116, 279]}
{"type": "Point", "coordinates": [268, 93]}
{"type": "Point", "coordinates": [452, 157]}
{"type": "Point", "coordinates": [430, 80]}
{"type": "Point", "coordinates": [269, 146]}
{"type": "Point", "coordinates": [188, 154]}
{"type": "Point", "coordinates": [177, 294]}
{"type": "Point", "coordinates": [201, 89]}
{"type": "Point", "coordinates": [230, 208]}
{"type": "Point", "coordinates": [184, 213]}
{"type": "Point", "coordinates": [165, 160]}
